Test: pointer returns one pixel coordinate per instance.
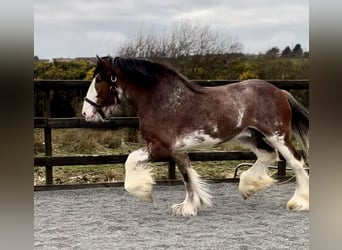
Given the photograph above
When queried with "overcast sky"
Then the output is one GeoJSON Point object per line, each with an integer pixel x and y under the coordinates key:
{"type": "Point", "coordinates": [82, 28]}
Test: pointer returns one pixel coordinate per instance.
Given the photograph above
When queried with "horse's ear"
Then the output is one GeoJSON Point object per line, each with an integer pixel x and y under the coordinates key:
{"type": "Point", "coordinates": [99, 59]}
{"type": "Point", "coordinates": [115, 61]}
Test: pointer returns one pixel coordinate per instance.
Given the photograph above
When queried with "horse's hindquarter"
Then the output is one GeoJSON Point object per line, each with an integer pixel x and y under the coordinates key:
{"type": "Point", "coordinates": [268, 103]}
{"type": "Point", "coordinates": [223, 112]}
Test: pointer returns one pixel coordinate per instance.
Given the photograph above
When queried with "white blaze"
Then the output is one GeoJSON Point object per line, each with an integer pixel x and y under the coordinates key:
{"type": "Point", "coordinates": [89, 111]}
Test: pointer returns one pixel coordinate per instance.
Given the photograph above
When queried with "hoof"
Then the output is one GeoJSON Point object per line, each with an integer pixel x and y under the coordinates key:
{"type": "Point", "coordinates": [147, 198]}
{"type": "Point", "coordinates": [249, 185]}
{"type": "Point", "coordinates": [298, 203]}
{"type": "Point", "coordinates": [185, 209]}
{"type": "Point", "coordinates": [143, 191]}
{"type": "Point", "coordinates": [142, 194]}
{"type": "Point", "coordinates": [247, 193]}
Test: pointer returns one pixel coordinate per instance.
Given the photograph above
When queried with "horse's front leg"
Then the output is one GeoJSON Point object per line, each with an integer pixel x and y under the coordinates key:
{"type": "Point", "coordinates": [138, 178]}
{"type": "Point", "coordinates": [197, 193]}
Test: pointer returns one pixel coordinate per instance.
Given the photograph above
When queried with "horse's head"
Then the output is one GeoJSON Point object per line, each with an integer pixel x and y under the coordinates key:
{"type": "Point", "coordinates": [103, 94]}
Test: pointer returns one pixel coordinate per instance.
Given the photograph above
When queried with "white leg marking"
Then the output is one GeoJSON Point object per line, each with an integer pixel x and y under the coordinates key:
{"type": "Point", "coordinates": [256, 178]}
{"type": "Point", "coordinates": [196, 139]}
{"type": "Point", "coordinates": [300, 199]}
{"type": "Point", "coordinates": [138, 179]}
{"type": "Point", "coordinates": [197, 196]}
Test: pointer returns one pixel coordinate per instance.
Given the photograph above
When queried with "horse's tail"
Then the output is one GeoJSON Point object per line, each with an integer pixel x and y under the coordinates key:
{"type": "Point", "coordinates": [300, 123]}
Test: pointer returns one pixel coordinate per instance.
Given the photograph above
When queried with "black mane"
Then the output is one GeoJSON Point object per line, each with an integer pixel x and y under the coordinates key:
{"type": "Point", "coordinates": [149, 72]}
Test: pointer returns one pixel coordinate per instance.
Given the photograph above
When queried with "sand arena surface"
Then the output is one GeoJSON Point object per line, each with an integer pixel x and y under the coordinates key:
{"type": "Point", "coordinates": [109, 218]}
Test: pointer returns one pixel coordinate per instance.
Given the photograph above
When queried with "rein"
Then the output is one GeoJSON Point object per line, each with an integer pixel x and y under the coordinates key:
{"type": "Point", "coordinates": [112, 91]}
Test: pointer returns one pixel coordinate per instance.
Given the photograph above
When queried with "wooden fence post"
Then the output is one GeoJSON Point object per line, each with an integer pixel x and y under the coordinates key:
{"type": "Point", "coordinates": [48, 137]}
{"type": "Point", "coordinates": [172, 170]}
{"type": "Point", "coordinates": [48, 152]}
{"type": "Point", "coordinates": [281, 168]}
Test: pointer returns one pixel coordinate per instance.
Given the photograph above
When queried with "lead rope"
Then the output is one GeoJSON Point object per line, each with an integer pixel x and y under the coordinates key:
{"type": "Point", "coordinates": [290, 179]}
{"type": "Point", "coordinates": [286, 181]}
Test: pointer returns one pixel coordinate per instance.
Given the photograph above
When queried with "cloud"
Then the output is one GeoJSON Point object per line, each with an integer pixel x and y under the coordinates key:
{"type": "Point", "coordinates": [81, 27]}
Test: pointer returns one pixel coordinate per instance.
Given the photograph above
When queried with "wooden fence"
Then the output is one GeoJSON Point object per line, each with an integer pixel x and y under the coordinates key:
{"type": "Point", "coordinates": [47, 123]}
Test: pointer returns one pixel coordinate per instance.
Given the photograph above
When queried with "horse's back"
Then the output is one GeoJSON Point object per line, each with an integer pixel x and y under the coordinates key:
{"type": "Point", "coordinates": [251, 103]}
{"type": "Point", "coordinates": [254, 85]}
{"type": "Point", "coordinates": [251, 93]}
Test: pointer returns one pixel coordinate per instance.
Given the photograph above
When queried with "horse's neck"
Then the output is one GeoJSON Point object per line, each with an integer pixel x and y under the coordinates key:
{"type": "Point", "coordinates": [158, 98]}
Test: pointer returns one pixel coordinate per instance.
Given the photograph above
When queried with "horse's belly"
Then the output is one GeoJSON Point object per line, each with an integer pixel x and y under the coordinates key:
{"type": "Point", "coordinates": [195, 139]}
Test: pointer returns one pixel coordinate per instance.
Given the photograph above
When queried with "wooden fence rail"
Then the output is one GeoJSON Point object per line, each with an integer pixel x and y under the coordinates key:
{"type": "Point", "coordinates": [46, 85]}
{"type": "Point", "coordinates": [116, 159]}
{"type": "Point", "coordinates": [47, 123]}
{"type": "Point", "coordinates": [43, 122]}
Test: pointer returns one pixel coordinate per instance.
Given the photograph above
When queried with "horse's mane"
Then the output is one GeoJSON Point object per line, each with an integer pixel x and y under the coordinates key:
{"type": "Point", "coordinates": [148, 72]}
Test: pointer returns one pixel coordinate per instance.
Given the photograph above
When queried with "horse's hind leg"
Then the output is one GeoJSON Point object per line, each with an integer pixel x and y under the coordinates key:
{"type": "Point", "coordinates": [256, 178]}
{"type": "Point", "coordinates": [138, 179]}
{"type": "Point", "coordinates": [300, 199]}
{"type": "Point", "coordinates": [197, 196]}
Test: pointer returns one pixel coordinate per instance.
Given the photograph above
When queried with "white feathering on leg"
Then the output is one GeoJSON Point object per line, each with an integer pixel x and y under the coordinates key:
{"type": "Point", "coordinates": [138, 179]}
{"type": "Point", "coordinates": [256, 178]}
{"type": "Point", "coordinates": [201, 197]}
{"type": "Point", "coordinates": [202, 190]}
{"type": "Point", "coordinates": [300, 199]}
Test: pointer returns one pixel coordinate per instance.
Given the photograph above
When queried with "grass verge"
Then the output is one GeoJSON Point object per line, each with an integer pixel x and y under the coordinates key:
{"type": "Point", "coordinates": [68, 142]}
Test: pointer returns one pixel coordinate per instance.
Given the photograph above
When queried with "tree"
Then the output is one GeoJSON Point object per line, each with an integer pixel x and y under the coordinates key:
{"type": "Point", "coordinates": [192, 48]}
{"type": "Point", "coordinates": [272, 53]}
{"type": "Point", "coordinates": [297, 50]}
{"type": "Point", "coordinates": [287, 52]}
{"type": "Point", "coordinates": [185, 38]}
{"type": "Point", "coordinates": [76, 69]}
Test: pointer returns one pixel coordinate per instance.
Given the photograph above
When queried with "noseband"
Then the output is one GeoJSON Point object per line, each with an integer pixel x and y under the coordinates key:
{"type": "Point", "coordinates": [112, 91]}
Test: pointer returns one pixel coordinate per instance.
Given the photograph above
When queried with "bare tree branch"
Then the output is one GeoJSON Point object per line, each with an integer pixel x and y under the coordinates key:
{"type": "Point", "coordinates": [185, 38]}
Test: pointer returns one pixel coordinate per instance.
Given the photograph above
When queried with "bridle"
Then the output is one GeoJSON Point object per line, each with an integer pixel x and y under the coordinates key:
{"type": "Point", "coordinates": [112, 91]}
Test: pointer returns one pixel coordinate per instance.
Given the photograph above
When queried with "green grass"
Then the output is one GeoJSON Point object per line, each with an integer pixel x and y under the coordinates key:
{"type": "Point", "coordinates": [67, 142]}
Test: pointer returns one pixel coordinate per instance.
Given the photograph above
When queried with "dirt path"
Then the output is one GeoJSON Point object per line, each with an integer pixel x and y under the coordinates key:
{"type": "Point", "coordinates": [108, 218]}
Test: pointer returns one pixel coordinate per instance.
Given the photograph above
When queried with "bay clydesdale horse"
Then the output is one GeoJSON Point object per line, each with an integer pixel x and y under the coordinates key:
{"type": "Point", "coordinates": [177, 115]}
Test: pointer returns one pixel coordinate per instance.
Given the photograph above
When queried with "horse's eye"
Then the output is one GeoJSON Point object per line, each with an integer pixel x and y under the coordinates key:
{"type": "Point", "coordinates": [98, 78]}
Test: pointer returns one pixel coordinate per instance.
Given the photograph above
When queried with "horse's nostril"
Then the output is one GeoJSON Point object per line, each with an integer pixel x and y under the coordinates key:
{"type": "Point", "coordinates": [84, 114]}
